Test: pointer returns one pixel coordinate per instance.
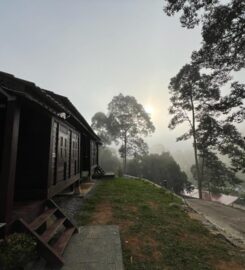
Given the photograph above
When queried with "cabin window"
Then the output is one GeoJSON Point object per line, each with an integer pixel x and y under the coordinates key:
{"type": "Point", "coordinates": [93, 152]}
{"type": "Point", "coordinates": [63, 161]}
{"type": "Point", "coordinates": [74, 154]}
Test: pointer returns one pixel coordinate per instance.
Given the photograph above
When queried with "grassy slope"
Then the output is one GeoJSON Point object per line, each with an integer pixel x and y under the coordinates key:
{"type": "Point", "coordinates": [156, 234]}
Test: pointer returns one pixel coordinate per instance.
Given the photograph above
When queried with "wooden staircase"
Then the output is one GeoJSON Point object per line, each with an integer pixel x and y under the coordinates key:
{"type": "Point", "coordinates": [52, 230]}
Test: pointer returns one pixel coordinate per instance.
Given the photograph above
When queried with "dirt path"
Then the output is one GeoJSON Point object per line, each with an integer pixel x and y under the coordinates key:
{"type": "Point", "coordinates": [226, 218]}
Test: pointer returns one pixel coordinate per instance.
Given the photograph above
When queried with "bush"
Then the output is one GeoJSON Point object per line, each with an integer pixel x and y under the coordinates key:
{"type": "Point", "coordinates": [16, 251]}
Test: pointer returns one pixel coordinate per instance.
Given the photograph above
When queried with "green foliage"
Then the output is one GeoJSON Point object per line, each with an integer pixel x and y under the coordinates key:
{"type": "Point", "coordinates": [16, 251]}
{"type": "Point", "coordinates": [160, 168]}
{"type": "Point", "coordinates": [215, 174]}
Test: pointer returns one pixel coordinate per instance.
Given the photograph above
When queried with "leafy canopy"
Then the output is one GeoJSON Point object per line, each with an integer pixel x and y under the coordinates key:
{"type": "Point", "coordinates": [223, 30]}
{"type": "Point", "coordinates": [127, 116]}
{"type": "Point", "coordinates": [126, 121]}
{"type": "Point", "coordinates": [161, 169]}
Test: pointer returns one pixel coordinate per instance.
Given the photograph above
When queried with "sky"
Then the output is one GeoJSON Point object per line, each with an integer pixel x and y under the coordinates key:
{"type": "Point", "coordinates": [92, 50]}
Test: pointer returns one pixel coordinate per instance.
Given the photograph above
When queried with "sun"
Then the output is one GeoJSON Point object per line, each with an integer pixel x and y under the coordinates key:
{"type": "Point", "coordinates": [149, 109]}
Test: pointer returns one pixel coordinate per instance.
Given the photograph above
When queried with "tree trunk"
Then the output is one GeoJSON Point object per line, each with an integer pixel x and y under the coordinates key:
{"type": "Point", "coordinates": [202, 169]}
{"type": "Point", "coordinates": [125, 153]}
{"type": "Point", "coordinates": [199, 180]}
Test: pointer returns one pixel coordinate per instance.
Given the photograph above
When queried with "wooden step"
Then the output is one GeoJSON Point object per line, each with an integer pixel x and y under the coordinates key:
{"type": "Point", "coordinates": [62, 242]}
{"type": "Point", "coordinates": [42, 218]}
{"type": "Point", "coordinates": [52, 229]}
{"type": "Point", "coordinates": [44, 248]}
{"type": "Point", "coordinates": [51, 252]}
{"type": "Point", "coordinates": [60, 214]}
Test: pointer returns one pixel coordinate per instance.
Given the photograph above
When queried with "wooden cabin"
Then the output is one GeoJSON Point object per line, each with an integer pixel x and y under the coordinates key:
{"type": "Point", "coordinates": [46, 146]}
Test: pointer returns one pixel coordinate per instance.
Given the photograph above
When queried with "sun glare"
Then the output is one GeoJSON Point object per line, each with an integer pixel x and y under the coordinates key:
{"type": "Point", "coordinates": [149, 109]}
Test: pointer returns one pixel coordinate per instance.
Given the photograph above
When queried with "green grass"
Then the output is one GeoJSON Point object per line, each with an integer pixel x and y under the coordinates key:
{"type": "Point", "coordinates": [156, 232]}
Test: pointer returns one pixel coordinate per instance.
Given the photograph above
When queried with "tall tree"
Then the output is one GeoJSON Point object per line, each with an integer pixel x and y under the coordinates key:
{"type": "Point", "coordinates": [126, 121]}
{"type": "Point", "coordinates": [222, 52]}
{"type": "Point", "coordinates": [196, 99]}
{"type": "Point", "coordinates": [191, 93]}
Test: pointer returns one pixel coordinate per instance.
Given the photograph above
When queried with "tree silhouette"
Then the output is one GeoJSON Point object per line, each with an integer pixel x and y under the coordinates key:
{"type": "Point", "coordinates": [126, 121]}
{"type": "Point", "coordinates": [196, 99]}
{"type": "Point", "coordinates": [223, 30]}
{"type": "Point", "coordinates": [222, 53]}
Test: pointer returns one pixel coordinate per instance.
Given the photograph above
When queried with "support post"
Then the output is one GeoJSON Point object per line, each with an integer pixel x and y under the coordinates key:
{"type": "Point", "coordinates": [9, 156]}
{"type": "Point", "coordinates": [97, 154]}
{"type": "Point", "coordinates": [76, 187]}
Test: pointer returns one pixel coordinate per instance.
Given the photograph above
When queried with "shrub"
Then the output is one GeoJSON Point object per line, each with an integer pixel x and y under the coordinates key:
{"type": "Point", "coordinates": [16, 251]}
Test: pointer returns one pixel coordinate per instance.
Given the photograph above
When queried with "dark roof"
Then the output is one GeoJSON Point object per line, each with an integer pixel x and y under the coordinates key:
{"type": "Point", "coordinates": [52, 102]}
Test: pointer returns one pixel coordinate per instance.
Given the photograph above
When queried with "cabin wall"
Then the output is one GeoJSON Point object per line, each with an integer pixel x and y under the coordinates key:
{"type": "Point", "coordinates": [9, 142]}
{"type": "Point", "coordinates": [3, 102]}
{"type": "Point", "coordinates": [93, 155]}
{"type": "Point", "coordinates": [65, 157]}
{"type": "Point", "coordinates": [33, 153]}
{"type": "Point", "coordinates": [85, 152]}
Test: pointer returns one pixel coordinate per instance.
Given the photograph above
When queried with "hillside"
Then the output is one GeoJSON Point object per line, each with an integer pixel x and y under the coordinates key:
{"type": "Point", "coordinates": [156, 230]}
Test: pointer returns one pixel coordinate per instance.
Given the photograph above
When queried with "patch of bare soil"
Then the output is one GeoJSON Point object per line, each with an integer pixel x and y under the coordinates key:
{"type": "Point", "coordinates": [131, 208]}
{"type": "Point", "coordinates": [137, 246]}
{"type": "Point", "coordinates": [103, 214]}
{"type": "Point", "coordinates": [223, 265]}
{"type": "Point", "coordinates": [125, 224]}
{"type": "Point", "coordinates": [154, 205]}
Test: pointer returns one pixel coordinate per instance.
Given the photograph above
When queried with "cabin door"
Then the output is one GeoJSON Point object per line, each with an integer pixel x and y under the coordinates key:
{"type": "Point", "coordinates": [74, 154]}
{"type": "Point", "coordinates": [63, 153]}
